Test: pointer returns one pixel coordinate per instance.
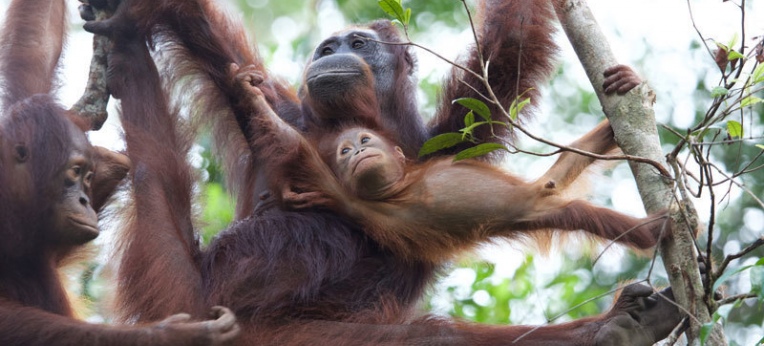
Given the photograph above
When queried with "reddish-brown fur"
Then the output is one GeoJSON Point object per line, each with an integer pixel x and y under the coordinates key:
{"type": "Point", "coordinates": [515, 38]}
{"type": "Point", "coordinates": [432, 212]}
{"type": "Point", "coordinates": [34, 123]}
{"type": "Point", "coordinates": [47, 192]}
{"type": "Point", "coordinates": [307, 277]}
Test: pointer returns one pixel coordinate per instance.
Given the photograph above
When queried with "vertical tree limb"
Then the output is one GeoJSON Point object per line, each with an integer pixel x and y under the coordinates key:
{"type": "Point", "coordinates": [633, 120]}
{"type": "Point", "coordinates": [92, 105]}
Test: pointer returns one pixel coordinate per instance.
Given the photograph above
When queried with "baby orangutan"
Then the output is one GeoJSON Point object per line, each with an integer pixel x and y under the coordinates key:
{"type": "Point", "coordinates": [360, 173]}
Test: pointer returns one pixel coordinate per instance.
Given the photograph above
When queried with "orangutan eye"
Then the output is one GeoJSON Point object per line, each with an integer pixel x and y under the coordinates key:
{"type": "Point", "coordinates": [76, 171]}
{"type": "Point", "coordinates": [344, 151]}
{"type": "Point", "coordinates": [326, 51]}
{"type": "Point", "coordinates": [358, 44]}
{"type": "Point", "coordinates": [365, 140]}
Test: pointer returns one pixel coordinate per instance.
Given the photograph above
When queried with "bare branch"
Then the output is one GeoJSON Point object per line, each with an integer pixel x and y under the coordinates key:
{"type": "Point", "coordinates": [92, 105]}
{"type": "Point", "coordinates": [729, 258]}
{"type": "Point", "coordinates": [735, 298]}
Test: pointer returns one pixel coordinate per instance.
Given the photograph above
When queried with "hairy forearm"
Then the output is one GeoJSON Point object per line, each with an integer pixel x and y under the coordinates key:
{"type": "Point", "coordinates": [433, 332]}
{"type": "Point", "coordinates": [569, 166]}
{"type": "Point", "coordinates": [34, 29]}
{"type": "Point", "coordinates": [20, 325]}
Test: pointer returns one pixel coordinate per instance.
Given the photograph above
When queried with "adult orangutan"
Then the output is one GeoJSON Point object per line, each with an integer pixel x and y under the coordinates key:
{"type": "Point", "coordinates": [52, 182]}
{"type": "Point", "coordinates": [311, 276]}
{"type": "Point", "coordinates": [423, 211]}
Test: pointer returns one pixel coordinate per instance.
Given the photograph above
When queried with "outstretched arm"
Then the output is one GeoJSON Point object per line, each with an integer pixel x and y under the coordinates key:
{"type": "Point", "coordinates": [619, 79]}
{"type": "Point", "coordinates": [159, 272]}
{"type": "Point", "coordinates": [639, 316]}
{"type": "Point", "coordinates": [35, 31]}
{"type": "Point", "coordinates": [515, 39]}
{"type": "Point", "coordinates": [292, 161]}
{"type": "Point", "coordinates": [22, 325]}
{"type": "Point", "coordinates": [261, 126]}
{"type": "Point", "coordinates": [210, 41]}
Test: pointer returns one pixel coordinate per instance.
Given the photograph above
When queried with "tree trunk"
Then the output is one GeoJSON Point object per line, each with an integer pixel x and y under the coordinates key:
{"type": "Point", "coordinates": [633, 121]}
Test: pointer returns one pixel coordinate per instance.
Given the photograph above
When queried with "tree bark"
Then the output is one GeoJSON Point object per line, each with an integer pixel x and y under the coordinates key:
{"type": "Point", "coordinates": [92, 105]}
{"type": "Point", "coordinates": [633, 121]}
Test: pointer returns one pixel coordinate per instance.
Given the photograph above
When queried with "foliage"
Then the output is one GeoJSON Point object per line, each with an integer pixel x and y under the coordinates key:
{"type": "Point", "coordinates": [395, 9]}
{"type": "Point", "coordinates": [218, 211]}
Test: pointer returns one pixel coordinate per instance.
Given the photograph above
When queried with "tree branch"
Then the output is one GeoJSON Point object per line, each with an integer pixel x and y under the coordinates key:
{"type": "Point", "coordinates": [92, 105]}
{"type": "Point", "coordinates": [633, 122]}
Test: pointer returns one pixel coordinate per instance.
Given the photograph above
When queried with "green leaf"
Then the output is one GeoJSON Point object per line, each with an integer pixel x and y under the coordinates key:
{"type": "Point", "coordinates": [722, 46]}
{"type": "Point", "coordinates": [471, 127]}
{"type": "Point", "coordinates": [705, 330]}
{"type": "Point", "coordinates": [478, 150]}
{"type": "Point", "coordinates": [735, 129]}
{"type": "Point", "coordinates": [734, 55]}
{"type": "Point", "coordinates": [749, 101]}
{"type": "Point", "coordinates": [440, 142]}
{"type": "Point", "coordinates": [476, 106]}
{"type": "Point", "coordinates": [719, 91]}
{"type": "Point", "coordinates": [407, 17]}
{"type": "Point", "coordinates": [516, 107]}
{"type": "Point", "coordinates": [758, 74]}
{"type": "Point", "coordinates": [393, 8]}
{"type": "Point", "coordinates": [733, 41]}
{"type": "Point", "coordinates": [760, 146]}
{"type": "Point", "coordinates": [469, 119]}
{"type": "Point", "coordinates": [757, 280]}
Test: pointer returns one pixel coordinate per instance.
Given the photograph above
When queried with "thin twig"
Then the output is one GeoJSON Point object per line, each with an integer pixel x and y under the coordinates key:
{"type": "Point", "coordinates": [735, 298]}
{"type": "Point", "coordinates": [614, 240]}
{"type": "Point", "coordinates": [729, 258]}
{"type": "Point", "coordinates": [677, 332]}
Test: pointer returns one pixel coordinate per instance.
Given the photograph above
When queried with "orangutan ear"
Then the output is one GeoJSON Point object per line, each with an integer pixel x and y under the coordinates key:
{"type": "Point", "coordinates": [401, 156]}
{"type": "Point", "coordinates": [21, 153]}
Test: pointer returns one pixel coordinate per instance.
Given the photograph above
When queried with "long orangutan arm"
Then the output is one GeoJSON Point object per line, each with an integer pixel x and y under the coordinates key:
{"type": "Point", "coordinates": [22, 325]}
{"type": "Point", "coordinates": [210, 42]}
{"type": "Point", "coordinates": [435, 332]}
{"type": "Point", "coordinates": [35, 30]}
{"type": "Point", "coordinates": [639, 318]}
{"type": "Point", "coordinates": [292, 161]}
{"type": "Point", "coordinates": [569, 165]}
{"type": "Point", "coordinates": [501, 205]}
{"type": "Point", "coordinates": [529, 207]}
{"type": "Point", "coordinates": [516, 39]}
{"type": "Point", "coordinates": [619, 79]}
{"type": "Point", "coordinates": [158, 238]}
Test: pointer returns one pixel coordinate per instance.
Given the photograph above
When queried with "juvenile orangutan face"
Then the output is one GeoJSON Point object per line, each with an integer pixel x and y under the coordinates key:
{"type": "Point", "coordinates": [75, 217]}
{"type": "Point", "coordinates": [59, 189]}
{"type": "Point", "coordinates": [367, 163]}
